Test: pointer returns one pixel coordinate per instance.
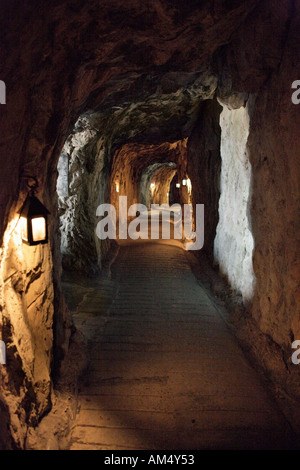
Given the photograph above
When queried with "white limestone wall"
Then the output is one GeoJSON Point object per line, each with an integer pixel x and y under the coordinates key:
{"type": "Point", "coordinates": [80, 189]}
{"type": "Point", "coordinates": [233, 246]}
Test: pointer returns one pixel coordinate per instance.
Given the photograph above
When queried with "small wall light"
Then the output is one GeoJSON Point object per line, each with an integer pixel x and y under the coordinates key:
{"type": "Point", "coordinates": [189, 186]}
{"type": "Point", "coordinates": [33, 218]}
{"type": "Point", "coordinates": [177, 185]}
{"type": "Point", "coordinates": [152, 187]}
{"type": "Point", "coordinates": [183, 182]}
{"type": "Point", "coordinates": [117, 187]}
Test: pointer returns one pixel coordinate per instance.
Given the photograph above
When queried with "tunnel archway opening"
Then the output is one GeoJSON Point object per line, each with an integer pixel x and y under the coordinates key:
{"type": "Point", "coordinates": [155, 183]}
{"type": "Point", "coordinates": [86, 179]}
{"type": "Point", "coordinates": [145, 173]}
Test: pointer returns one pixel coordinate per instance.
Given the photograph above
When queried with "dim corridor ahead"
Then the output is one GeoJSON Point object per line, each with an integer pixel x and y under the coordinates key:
{"type": "Point", "coordinates": [165, 372]}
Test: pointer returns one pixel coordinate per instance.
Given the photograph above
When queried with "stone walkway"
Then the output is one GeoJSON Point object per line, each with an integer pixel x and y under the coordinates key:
{"type": "Point", "coordinates": [165, 372]}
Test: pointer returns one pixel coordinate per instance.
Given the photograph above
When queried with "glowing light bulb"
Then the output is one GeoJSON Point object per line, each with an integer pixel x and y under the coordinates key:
{"type": "Point", "coordinates": [38, 225]}
{"type": "Point", "coordinates": [189, 186]}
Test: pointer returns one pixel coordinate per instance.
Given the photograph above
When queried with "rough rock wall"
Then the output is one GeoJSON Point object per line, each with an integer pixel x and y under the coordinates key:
{"type": "Point", "coordinates": [27, 296]}
{"type": "Point", "coordinates": [162, 179]}
{"type": "Point", "coordinates": [233, 246]}
{"type": "Point", "coordinates": [6, 441]}
{"type": "Point", "coordinates": [183, 194]}
{"type": "Point", "coordinates": [130, 163]}
{"type": "Point", "coordinates": [80, 164]}
{"type": "Point", "coordinates": [203, 166]}
{"type": "Point", "coordinates": [145, 190]}
{"type": "Point", "coordinates": [274, 148]}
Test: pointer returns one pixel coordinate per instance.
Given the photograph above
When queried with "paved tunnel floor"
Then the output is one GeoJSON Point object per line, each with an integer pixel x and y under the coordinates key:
{"type": "Point", "coordinates": [165, 372]}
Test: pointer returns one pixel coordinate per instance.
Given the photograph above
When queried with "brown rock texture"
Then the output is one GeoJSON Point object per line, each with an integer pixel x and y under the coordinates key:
{"type": "Point", "coordinates": [132, 160]}
{"type": "Point", "coordinates": [205, 171]}
{"type": "Point", "coordinates": [274, 145]}
{"type": "Point", "coordinates": [162, 179]}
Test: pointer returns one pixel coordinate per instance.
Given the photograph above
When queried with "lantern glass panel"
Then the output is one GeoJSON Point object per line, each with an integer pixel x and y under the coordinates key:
{"type": "Point", "coordinates": [38, 225]}
{"type": "Point", "coordinates": [24, 230]}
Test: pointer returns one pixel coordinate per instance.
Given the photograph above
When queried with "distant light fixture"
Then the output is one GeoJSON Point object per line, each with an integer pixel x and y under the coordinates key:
{"type": "Point", "coordinates": [152, 187]}
{"type": "Point", "coordinates": [189, 186]}
{"type": "Point", "coordinates": [183, 182]}
{"type": "Point", "coordinates": [117, 187]}
{"type": "Point", "coordinates": [33, 219]}
{"type": "Point", "coordinates": [177, 185]}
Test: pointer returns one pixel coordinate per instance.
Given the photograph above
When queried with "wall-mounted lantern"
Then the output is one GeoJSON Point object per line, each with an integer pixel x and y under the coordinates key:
{"type": "Point", "coordinates": [117, 187]}
{"type": "Point", "coordinates": [177, 185]}
{"type": "Point", "coordinates": [33, 219]}
{"type": "Point", "coordinates": [183, 182]}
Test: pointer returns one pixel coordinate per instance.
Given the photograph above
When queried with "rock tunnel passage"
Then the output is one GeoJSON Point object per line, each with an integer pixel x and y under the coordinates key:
{"type": "Point", "coordinates": [165, 372]}
{"type": "Point", "coordinates": [160, 101]}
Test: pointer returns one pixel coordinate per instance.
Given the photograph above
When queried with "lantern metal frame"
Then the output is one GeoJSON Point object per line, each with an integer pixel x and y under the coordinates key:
{"type": "Point", "coordinates": [33, 209]}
